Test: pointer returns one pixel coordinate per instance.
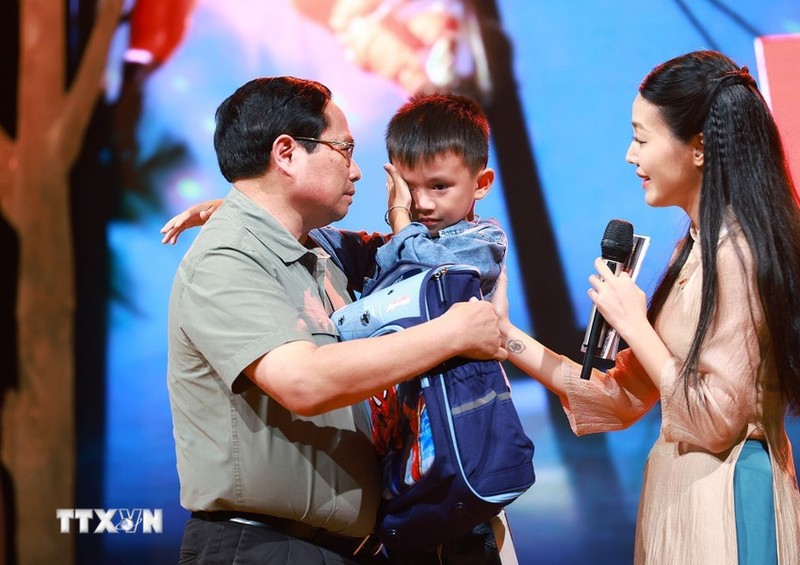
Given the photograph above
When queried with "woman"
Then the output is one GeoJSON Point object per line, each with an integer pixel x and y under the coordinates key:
{"type": "Point", "coordinates": [719, 347]}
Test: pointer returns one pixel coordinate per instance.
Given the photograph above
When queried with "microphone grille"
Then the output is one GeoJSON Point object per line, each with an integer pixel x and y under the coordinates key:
{"type": "Point", "coordinates": [617, 242]}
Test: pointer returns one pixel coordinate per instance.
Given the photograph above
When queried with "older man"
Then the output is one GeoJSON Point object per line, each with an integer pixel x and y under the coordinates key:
{"type": "Point", "coordinates": [272, 439]}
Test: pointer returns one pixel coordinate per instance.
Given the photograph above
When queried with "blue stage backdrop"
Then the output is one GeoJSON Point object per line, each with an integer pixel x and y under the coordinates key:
{"type": "Point", "coordinates": [575, 67]}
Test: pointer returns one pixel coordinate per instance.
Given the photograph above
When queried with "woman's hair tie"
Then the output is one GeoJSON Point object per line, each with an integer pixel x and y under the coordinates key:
{"type": "Point", "coordinates": [741, 76]}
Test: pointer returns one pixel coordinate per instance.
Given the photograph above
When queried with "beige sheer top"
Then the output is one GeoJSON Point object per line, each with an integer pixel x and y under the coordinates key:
{"type": "Point", "coordinates": [686, 508]}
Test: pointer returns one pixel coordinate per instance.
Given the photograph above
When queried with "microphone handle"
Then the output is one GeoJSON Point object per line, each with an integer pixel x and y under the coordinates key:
{"type": "Point", "coordinates": [598, 325]}
{"type": "Point", "coordinates": [591, 347]}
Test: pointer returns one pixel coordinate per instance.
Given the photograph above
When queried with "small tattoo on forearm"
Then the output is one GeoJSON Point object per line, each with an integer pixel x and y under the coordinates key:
{"type": "Point", "coordinates": [515, 346]}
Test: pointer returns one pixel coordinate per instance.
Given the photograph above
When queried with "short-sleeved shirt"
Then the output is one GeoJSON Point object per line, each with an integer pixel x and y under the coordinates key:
{"type": "Point", "coordinates": [245, 287]}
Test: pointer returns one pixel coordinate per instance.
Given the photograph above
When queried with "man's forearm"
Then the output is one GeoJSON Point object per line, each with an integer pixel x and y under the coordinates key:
{"type": "Point", "coordinates": [310, 380]}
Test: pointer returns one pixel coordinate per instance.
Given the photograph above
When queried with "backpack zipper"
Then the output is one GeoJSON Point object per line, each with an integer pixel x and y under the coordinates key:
{"type": "Point", "coordinates": [440, 285]}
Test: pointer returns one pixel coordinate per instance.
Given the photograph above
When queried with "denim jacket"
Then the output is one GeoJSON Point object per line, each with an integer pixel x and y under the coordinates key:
{"type": "Point", "coordinates": [363, 257]}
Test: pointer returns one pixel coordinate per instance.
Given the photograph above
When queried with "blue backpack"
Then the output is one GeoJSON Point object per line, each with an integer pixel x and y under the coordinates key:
{"type": "Point", "coordinates": [452, 449]}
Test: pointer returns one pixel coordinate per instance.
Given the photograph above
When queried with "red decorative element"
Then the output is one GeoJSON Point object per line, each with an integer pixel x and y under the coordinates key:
{"type": "Point", "coordinates": [778, 59]}
{"type": "Point", "coordinates": [158, 26]}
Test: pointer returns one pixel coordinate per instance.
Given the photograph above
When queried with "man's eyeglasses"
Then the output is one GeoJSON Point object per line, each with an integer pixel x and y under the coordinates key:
{"type": "Point", "coordinates": [344, 147]}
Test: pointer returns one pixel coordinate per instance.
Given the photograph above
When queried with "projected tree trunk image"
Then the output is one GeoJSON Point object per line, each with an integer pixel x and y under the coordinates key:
{"type": "Point", "coordinates": [38, 414]}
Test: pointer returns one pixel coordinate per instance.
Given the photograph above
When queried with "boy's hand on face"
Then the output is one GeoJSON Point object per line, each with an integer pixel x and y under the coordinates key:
{"type": "Point", "coordinates": [396, 187]}
{"type": "Point", "coordinates": [398, 208]}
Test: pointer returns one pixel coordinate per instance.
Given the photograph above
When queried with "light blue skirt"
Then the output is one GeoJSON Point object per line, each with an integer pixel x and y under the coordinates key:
{"type": "Point", "coordinates": [755, 507]}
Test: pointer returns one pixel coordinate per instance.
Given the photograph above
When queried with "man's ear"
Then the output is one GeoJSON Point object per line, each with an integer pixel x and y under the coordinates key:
{"type": "Point", "coordinates": [484, 183]}
{"type": "Point", "coordinates": [284, 150]}
{"type": "Point", "coordinates": [698, 150]}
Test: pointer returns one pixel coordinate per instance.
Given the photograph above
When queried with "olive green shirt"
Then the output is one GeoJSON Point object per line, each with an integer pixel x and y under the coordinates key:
{"type": "Point", "coordinates": [245, 287]}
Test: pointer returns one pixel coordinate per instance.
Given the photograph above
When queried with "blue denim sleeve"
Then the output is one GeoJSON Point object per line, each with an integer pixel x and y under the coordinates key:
{"type": "Point", "coordinates": [354, 252]}
{"type": "Point", "coordinates": [480, 244]}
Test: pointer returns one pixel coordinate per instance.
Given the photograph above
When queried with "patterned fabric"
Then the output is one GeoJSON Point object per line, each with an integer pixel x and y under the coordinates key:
{"type": "Point", "coordinates": [402, 434]}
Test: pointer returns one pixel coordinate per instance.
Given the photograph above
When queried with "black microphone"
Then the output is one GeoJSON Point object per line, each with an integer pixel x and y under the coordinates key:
{"type": "Point", "coordinates": [615, 248]}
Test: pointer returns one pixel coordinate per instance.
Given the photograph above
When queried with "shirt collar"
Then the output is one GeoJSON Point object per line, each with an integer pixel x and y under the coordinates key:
{"type": "Point", "coordinates": [265, 227]}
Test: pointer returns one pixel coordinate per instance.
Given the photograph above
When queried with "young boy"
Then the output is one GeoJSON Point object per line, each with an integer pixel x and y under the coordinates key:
{"type": "Point", "coordinates": [438, 147]}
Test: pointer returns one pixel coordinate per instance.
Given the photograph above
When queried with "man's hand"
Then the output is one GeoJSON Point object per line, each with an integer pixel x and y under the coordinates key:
{"type": "Point", "coordinates": [475, 325]}
{"type": "Point", "coordinates": [193, 216]}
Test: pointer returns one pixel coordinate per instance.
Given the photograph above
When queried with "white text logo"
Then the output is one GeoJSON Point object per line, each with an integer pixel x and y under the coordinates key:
{"type": "Point", "coordinates": [112, 521]}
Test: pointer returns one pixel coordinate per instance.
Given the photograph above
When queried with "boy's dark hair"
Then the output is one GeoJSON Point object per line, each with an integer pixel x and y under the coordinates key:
{"type": "Point", "coordinates": [249, 121]}
{"type": "Point", "coordinates": [429, 125]}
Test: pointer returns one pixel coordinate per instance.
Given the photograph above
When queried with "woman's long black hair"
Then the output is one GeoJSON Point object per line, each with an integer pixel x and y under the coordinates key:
{"type": "Point", "coordinates": [744, 171]}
